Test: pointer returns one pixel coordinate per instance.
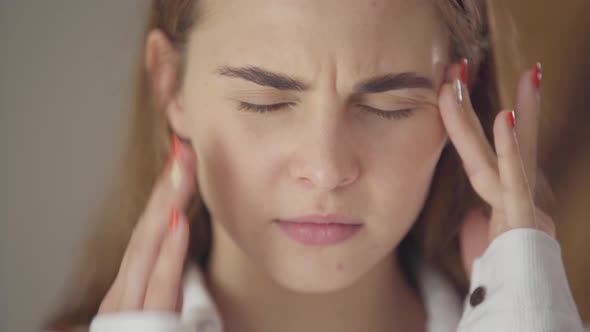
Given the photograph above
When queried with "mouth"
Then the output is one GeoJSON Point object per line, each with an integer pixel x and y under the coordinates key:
{"type": "Point", "coordinates": [320, 230]}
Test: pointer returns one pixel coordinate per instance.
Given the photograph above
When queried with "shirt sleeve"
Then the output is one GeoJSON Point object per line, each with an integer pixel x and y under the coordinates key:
{"type": "Point", "coordinates": [202, 319]}
{"type": "Point", "coordinates": [139, 321]}
{"type": "Point", "coordinates": [198, 313]}
{"type": "Point", "coordinates": [520, 284]}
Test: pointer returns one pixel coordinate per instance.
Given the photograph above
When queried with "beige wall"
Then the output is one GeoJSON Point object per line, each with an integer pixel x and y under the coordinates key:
{"type": "Point", "coordinates": [64, 79]}
{"type": "Point", "coordinates": [64, 87]}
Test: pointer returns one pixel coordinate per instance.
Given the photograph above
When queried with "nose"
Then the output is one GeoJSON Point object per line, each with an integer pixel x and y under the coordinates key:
{"type": "Point", "coordinates": [325, 158]}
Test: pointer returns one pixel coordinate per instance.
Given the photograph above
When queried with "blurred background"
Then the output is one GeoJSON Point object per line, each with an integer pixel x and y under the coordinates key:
{"type": "Point", "coordinates": [65, 86]}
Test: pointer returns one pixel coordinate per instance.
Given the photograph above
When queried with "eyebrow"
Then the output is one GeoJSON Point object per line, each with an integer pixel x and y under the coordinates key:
{"type": "Point", "coordinates": [264, 77]}
{"type": "Point", "coordinates": [390, 82]}
{"type": "Point", "coordinates": [376, 84]}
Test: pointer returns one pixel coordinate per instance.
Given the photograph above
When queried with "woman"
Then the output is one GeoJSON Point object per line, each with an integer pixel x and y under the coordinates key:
{"type": "Point", "coordinates": [331, 169]}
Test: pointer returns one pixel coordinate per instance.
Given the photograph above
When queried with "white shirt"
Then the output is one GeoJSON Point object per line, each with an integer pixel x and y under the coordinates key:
{"type": "Point", "coordinates": [519, 281]}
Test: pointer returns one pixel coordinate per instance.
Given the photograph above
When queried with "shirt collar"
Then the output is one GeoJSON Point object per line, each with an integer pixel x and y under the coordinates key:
{"type": "Point", "coordinates": [442, 303]}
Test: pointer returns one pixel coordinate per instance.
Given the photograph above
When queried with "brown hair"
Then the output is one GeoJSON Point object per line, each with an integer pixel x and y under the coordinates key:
{"type": "Point", "coordinates": [434, 236]}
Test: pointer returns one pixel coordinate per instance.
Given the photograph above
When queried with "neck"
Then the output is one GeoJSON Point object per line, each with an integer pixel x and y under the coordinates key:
{"type": "Point", "coordinates": [382, 300]}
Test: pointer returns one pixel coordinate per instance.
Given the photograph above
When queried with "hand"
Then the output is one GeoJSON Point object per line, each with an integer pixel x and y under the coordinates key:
{"type": "Point", "coordinates": [507, 178]}
{"type": "Point", "coordinates": [150, 275]}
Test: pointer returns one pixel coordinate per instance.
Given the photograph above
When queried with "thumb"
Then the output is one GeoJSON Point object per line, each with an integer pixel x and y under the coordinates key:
{"type": "Point", "coordinates": [473, 237]}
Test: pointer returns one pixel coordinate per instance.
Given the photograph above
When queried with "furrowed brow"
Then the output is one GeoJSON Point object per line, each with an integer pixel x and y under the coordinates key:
{"type": "Point", "coordinates": [264, 77]}
{"type": "Point", "coordinates": [388, 82]}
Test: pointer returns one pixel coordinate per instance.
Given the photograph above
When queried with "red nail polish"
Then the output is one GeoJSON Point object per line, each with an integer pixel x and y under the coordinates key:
{"type": "Point", "coordinates": [537, 75]}
{"type": "Point", "coordinates": [464, 68]}
{"type": "Point", "coordinates": [511, 116]}
{"type": "Point", "coordinates": [173, 220]}
{"type": "Point", "coordinates": [176, 145]}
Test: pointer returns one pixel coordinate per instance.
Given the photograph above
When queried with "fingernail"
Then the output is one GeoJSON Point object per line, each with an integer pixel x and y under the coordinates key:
{"type": "Point", "coordinates": [537, 75]}
{"type": "Point", "coordinates": [176, 145]}
{"type": "Point", "coordinates": [458, 89]}
{"type": "Point", "coordinates": [175, 174]}
{"type": "Point", "coordinates": [511, 116]}
{"type": "Point", "coordinates": [173, 224]}
{"type": "Point", "coordinates": [464, 72]}
{"type": "Point", "coordinates": [176, 171]}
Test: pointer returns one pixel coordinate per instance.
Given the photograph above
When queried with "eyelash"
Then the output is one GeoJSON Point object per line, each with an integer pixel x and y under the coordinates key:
{"type": "Point", "coordinates": [399, 114]}
{"type": "Point", "coordinates": [262, 108]}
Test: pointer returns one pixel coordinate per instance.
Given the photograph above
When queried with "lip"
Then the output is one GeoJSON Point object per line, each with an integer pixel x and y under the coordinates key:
{"type": "Point", "coordinates": [319, 230]}
{"type": "Point", "coordinates": [325, 219]}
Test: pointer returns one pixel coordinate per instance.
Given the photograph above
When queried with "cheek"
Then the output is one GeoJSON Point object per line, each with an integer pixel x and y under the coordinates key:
{"type": "Point", "coordinates": [235, 166]}
{"type": "Point", "coordinates": [401, 171]}
{"type": "Point", "coordinates": [410, 151]}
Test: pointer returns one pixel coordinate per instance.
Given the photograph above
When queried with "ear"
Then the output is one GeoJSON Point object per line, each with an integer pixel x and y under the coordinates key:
{"type": "Point", "coordinates": [161, 63]}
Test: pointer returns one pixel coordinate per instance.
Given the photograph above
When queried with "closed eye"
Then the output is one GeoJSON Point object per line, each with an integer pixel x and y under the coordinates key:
{"type": "Point", "coordinates": [397, 114]}
{"type": "Point", "coordinates": [262, 108]}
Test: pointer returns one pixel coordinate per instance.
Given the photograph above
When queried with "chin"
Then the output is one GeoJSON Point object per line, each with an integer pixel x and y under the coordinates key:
{"type": "Point", "coordinates": [320, 270]}
{"type": "Point", "coordinates": [314, 281]}
{"type": "Point", "coordinates": [316, 269]}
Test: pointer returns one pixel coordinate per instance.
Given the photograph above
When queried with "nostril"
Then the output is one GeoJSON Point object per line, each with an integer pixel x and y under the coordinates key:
{"type": "Point", "coordinates": [328, 180]}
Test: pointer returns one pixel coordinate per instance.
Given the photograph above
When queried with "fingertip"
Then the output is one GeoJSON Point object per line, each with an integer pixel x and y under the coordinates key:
{"type": "Point", "coordinates": [528, 88]}
{"type": "Point", "coordinates": [525, 83]}
{"type": "Point", "coordinates": [186, 153]}
{"type": "Point", "coordinates": [507, 150]}
{"type": "Point", "coordinates": [178, 225]}
{"type": "Point", "coordinates": [503, 120]}
{"type": "Point", "coordinates": [447, 98]}
{"type": "Point", "coordinates": [511, 118]}
{"type": "Point", "coordinates": [178, 234]}
{"type": "Point", "coordinates": [500, 129]}
{"type": "Point", "coordinates": [537, 75]}
{"type": "Point", "coordinates": [182, 170]}
{"type": "Point", "coordinates": [453, 71]}
{"type": "Point", "coordinates": [532, 77]}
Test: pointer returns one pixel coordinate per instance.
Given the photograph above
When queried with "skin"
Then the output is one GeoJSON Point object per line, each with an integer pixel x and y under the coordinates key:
{"type": "Point", "coordinates": [325, 152]}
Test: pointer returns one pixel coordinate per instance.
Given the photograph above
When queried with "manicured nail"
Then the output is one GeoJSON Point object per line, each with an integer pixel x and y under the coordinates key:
{"type": "Point", "coordinates": [511, 116]}
{"type": "Point", "coordinates": [175, 145]}
{"type": "Point", "coordinates": [175, 175]}
{"type": "Point", "coordinates": [464, 72]}
{"type": "Point", "coordinates": [173, 224]}
{"type": "Point", "coordinates": [537, 75]}
{"type": "Point", "coordinates": [176, 171]}
{"type": "Point", "coordinates": [458, 89]}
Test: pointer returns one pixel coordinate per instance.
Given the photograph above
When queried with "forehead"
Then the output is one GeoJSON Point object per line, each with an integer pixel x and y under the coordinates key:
{"type": "Point", "coordinates": [362, 36]}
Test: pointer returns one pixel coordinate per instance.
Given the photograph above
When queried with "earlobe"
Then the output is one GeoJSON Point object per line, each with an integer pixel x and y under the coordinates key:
{"type": "Point", "coordinates": [176, 116]}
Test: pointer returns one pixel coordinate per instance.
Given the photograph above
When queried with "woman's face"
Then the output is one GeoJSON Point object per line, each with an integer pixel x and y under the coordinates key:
{"type": "Point", "coordinates": [359, 132]}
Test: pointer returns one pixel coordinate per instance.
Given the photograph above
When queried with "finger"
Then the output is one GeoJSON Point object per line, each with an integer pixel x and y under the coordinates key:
{"type": "Point", "coordinates": [528, 111]}
{"type": "Point", "coordinates": [517, 198]}
{"type": "Point", "coordinates": [468, 137]}
{"type": "Point", "coordinates": [172, 189]}
{"type": "Point", "coordinates": [110, 302]}
{"type": "Point", "coordinates": [179, 300]}
{"type": "Point", "coordinates": [164, 284]}
{"type": "Point", "coordinates": [545, 223]}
